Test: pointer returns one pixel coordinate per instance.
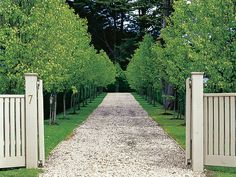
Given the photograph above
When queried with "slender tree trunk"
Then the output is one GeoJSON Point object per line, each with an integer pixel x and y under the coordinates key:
{"type": "Point", "coordinates": [71, 100]}
{"type": "Point", "coordinates": [83, 96]}
{"type": "Point", "coordinates": [64, 105]}
{"type": "Point", "coordinates": [79, 98]}
{"type": "Point", "coordinates": [55, 109]}
{"type": "Point", "coordinates": [86, 95]}
{"type": "Point", "coordinates": [155, 94]}
{"type": "Point", "coordinates": [74, 104]}
{"type": "Point", "coordinates": [51, 109]}
{"type": "Point", "coordinates": [90, 94]}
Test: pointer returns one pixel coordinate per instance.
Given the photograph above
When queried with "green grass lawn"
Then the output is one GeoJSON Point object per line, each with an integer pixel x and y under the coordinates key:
{"type": "Point", "coordinates": [176, 130]}
{"type": "Point", "coordinates": [55, 134]}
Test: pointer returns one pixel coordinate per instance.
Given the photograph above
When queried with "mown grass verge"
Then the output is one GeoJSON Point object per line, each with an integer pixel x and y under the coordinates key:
{"type": "Point", "coordinates": [54, 134]}
{"type": "Point", "coordinates": [176, 129]}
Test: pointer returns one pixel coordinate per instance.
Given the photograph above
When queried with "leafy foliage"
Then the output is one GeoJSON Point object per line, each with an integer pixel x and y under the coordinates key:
{"type": "Point", "coordinates": [200, 36]}
{"type": "Point", "coordinates": [47, 38]}
{"type": "Point", "coordinates": [118, 25]}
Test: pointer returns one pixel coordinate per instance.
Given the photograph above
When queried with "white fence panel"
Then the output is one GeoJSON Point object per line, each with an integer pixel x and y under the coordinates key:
{"type": "Point", "coordinates": [11, 142]}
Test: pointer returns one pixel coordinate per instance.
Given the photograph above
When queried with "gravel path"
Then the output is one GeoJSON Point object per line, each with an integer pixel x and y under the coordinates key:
{"type": "Point", "coordinates": [118, 140]}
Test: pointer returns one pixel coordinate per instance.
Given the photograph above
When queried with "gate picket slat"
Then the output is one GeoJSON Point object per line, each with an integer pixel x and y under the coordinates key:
{"type": "Point", "coordinates": [7, 132]}
{"type": "Point", "coordinates": [232, 119]}
{"type": "Point", "coordinates": [205, 110]}
{"type": "Point", "coordinates": [12, 127]}
{"type": "Point", "coordinates": [210, 134]}
{"type": "Point", "coordinates": [23, 126]}
{"type": "Point", "coordinates": [221, 118]}
{"type": "Point", "coordinates": [227, 136]}
{"type": "Point", "coordinates": [216, 126]}
{"type": "Point", "coordinates": [1, 129]}
{"type": "Point", "coordinates": [18, 141]}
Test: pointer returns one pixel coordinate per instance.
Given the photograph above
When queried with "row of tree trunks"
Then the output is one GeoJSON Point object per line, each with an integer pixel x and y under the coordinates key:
{"type": "Point", "coordinates": [174, 101]}
{"type": "Point", "coordinates": [82, 96]}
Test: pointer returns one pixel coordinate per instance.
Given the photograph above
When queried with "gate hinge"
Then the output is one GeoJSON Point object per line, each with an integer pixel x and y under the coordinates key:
{"type": "Point", "coordinates": [38, 84]}
{"type": "Point", "coordinates": [190, 83]}
{"type": "Point", "coordinates": [40, 163]}
{"type": "Point", "coordinates": [189, 161]}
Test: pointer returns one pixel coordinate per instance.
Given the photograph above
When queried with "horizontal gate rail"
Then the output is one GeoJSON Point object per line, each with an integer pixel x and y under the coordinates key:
{"type": "Point", "coordinates": [220, 94]}
{"type": "Point", "coordinates": [12, 96]}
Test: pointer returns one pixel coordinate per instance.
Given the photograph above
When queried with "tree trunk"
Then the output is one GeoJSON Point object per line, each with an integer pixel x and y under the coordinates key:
{"type": "Point", "coordinates": [51, 109]}
{"type": "Point", "coordinates": [83, 96]}
{"type": "Point", "coordinates": [71, 101]}
{"type": "Point", "coordinates": [74, 104]}
{"type": "Point", "coordinates": [64, 105]}
{"type": "Point", "coordinates": [55, 109]}
{"type": "Point", "coordinates": [79, 98]}
{"type": "Point", "coordinates": [90, 94]}
{"type": "Point", "coordinates": [86, 95]}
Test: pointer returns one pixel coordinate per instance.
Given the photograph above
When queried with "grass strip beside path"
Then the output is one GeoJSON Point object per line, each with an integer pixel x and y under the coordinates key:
{"type": "Point", "coordinates": [54, 134]}
{"type": "Point", "coordinates": [175, 129]}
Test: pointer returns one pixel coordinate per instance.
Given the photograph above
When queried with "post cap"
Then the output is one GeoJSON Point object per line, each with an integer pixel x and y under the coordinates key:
{"type": "Point", "coordinates": [197, 73]}
{"type": "Point", "coordinates": [31, 74]}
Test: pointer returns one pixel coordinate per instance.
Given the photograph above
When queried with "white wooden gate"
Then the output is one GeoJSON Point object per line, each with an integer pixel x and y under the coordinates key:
{"type": "Point", "coordinates": [21, 126]}
{"type": "Point", "coordinates": [219, 126]}
{"type": "Point", "coordinates": [210, 126]}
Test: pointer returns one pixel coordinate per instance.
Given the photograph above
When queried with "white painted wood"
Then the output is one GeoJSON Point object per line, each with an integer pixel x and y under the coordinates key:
{"type": "Point", "coordinates": [21, 123]}
{"type": "Point", "coordinates": [23, 127]}
{"type": "Point", "coordinates": [12, 127]}
{"type": "Point", "coordinates": [220, 94]}
{"type": "Point", "coordinates": [227, 130]}
{"type": "Point", "coordinates": [11, 162]}
{"type": "Point", "coordinates": [210, 126]}
{"type": "Point", "coordinates": [7, 128]}
{"type": "Point", "coordinates": [41, 124]}
{"type": "Point", "coordinates": [197, 119]}
{"type": "Point", "coordinates": [31, 120]}
{"type": "Point", "coordinates": [226, 123]}
{"type": "Point", "coordinates": [222, 131]}
{"type": "Point", "coordinates": [12, 96]}
{"type": "Point", "coordinates": [205, 139]}
{"type": "Point", "coordinates": [188, 121]}
{"type": "Point", "coordinates": [1, 129]}
{"type": "Point", "coordinates": [18, 128]}
{"type": "Point", "coordinates": [216, 126]}
{"type": "Point", "coordinates": [232, 124]}
{"type": "Point", "coordinates": [221, 160]}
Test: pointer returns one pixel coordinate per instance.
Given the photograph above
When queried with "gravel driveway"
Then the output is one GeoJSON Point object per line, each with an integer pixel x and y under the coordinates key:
{"type": "Point", "coordinates": [118, 140]}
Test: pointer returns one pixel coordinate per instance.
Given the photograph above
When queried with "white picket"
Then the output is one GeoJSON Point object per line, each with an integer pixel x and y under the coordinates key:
{"type": "Point", "coordinates": [7, 127]}
{"type": "Point", "coordinates": [18, 128]}
{"type": "Point", "coordinates": [2, 129]}
{"type": "Point", "coordinates": [12, 127]}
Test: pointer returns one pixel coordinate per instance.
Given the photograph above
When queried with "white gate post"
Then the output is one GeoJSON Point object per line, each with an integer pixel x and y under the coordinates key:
{"type": "Point", "coordinates": [188, 120]}
{"type": "Point", "coordinates": [31, 120]}
{"type": "Point", "coordinates": [197, 125]}
{"type": "Point", "coordinates": [41, 124]}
